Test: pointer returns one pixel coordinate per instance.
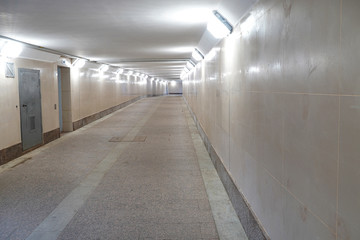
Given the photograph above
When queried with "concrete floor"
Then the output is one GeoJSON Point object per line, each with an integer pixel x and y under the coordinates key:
{"type": "Point", "coordinates": [154, 180]}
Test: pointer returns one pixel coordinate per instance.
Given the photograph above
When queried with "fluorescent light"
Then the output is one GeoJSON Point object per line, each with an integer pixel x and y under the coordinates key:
{"type": "Point", "coordinates": [120, 71]}
{"type": "Point", "coordinates": [104, 68]}
{"type": "Point", "coordinates": [218, 26]}
{"type": "Point", "coordinates": [190, 65]}
{"type": "Point", "coordinates": [197, 55]}
{"type": "Point", "coordinates": [79, 63]}
{"type": "Point", "coordinates": [11, 49]}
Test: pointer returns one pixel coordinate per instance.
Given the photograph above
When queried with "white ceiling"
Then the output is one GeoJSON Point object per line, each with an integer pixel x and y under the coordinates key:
{"type": "Point", "coordinates": [151, 36]}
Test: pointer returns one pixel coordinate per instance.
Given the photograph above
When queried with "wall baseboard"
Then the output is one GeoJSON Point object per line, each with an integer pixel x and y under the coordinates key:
{"type": "Point", "coordinates": [10, 153]}
{"type": "Point", "coordinates": [89, 119]}
{"type": "Point", "coordinates": [15, 151]}
{"type": "Point", "coordinates": [251, 225]}
{"type": "Point", "coordinates": [51, 136]}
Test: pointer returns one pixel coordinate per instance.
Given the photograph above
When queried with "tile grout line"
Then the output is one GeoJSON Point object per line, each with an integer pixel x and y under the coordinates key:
{"type": "Point", "coordinates": [338, 175]}
{"type": "Point", "coordinates": [339, 119]}
{"type": "Point", "coordinates": [226, 220]}
{"type": "Point", "coordinates": [57, 220]}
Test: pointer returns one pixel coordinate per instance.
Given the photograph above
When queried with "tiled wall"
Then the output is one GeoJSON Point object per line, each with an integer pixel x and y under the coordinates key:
{"type": "Point", "coordinates": [91, 92]}
{"type": "Point", "coordinates": [10, 133]}
{"type": "Point", "coordinates": [279, 100]}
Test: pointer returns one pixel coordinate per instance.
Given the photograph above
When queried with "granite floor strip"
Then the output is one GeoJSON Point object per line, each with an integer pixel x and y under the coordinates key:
{"type": "Point", "coordinates": [157, 183]}
{"type": "Point", "coordinates": [226, 220]}
{"type": "Point", "coordinates": [55, 223]}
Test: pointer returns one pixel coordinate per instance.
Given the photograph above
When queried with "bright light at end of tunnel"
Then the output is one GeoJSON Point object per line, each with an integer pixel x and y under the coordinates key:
{"type": "Point", "coordinates": [254, 69]}
{"type": "Point", "coordinates": [173, 83]}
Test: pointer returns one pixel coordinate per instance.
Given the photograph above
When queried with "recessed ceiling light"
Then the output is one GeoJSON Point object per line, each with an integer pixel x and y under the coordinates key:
{"type": "Point", "coordinates": [104, 68]}
{"type": "Point", "coordinates": [120, 71]}
{"type": "Point", "coordinates": [190, 65]}
{"type": "Point", "coordinates": [79, 63]}
{"type": "Point", "coordinates": [197, 55]}
{"type": "Point", "coordinates": [218, 26]}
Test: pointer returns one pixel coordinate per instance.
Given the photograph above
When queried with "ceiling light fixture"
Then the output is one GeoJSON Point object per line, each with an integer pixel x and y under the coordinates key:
{"type": "Point", "coordinates": [120, 71]}
{"type": "Point", "coordinates": [197, 55]}
{"type": "Point", "coordinates": [11, 49]}
{"type": "Point", "coordinates": [219, 26]}
{"type": "Point", "coordinates": [79, 63]}
{"type": "Point", "coordinates": [104, 68]}
{"type": "Point", "coordinates": [190, 65]}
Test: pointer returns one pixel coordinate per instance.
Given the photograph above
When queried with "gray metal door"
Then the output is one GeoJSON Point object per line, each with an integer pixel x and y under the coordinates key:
{"type": "Point", "coordinates": [30, 107]}
{"type": "Point", "coordinates": [60, 99]}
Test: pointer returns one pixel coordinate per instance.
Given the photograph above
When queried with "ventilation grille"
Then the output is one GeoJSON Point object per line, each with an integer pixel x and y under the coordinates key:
{"type": "Point", "coordinates": [32, 123]}
{"type": "Point", "coordinates": [123, 139]}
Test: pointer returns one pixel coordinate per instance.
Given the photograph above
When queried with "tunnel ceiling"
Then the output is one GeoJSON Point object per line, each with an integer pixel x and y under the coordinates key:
{"type": "Point", "coordinates": [152, 36]}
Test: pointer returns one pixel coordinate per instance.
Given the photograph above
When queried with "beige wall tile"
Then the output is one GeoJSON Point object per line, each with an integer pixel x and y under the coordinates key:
{"type": "Point", "coordinates": [311, 152]}
{"type": "Point", "coordinates": [349, 171]}
{"type": "Point", "coordinates": [311, 41]}
{"type": "Point", "coordinates": [300, 223]}
{"type": "Point", "coordinates": [10, 115]}
{"type": "Point", "coordinates": [280, 78]}
{"type": "Point", "coordinates": [269, 205]}
{"type": "Point", "coordinates": [93, 91]}
{"type": "Point", "coordinates": [350, 38]}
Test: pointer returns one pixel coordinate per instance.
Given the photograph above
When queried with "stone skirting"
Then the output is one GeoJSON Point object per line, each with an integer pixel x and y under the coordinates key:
{"type": "Point", "coordinates": [15, 151]}
{"type": "Point", "coordinates": [246, 216]}
{"type": "Point", "coordinates": [89, 119]}
{"type": "Point", "coordinates": [51, 136]}
{"type": "Point", "coordinates": [10, 153]}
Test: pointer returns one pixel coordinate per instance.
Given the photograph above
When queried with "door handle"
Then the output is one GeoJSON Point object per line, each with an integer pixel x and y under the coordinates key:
{"type": "Point", "coordinates": [24, 105]}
